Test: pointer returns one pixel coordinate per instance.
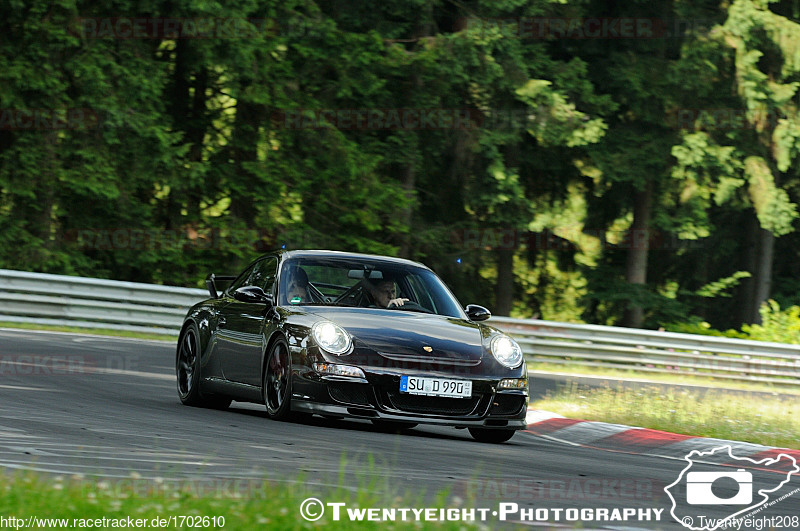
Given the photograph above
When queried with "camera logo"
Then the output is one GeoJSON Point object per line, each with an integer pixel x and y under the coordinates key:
{"type": "Point", "coordinates": [699, 488]}
{"type": "Point", "coordinates": [715, 481]}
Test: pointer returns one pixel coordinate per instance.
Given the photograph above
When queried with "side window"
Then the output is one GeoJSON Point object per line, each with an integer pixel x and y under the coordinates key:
{"type": "Point", "coordinates": [263, 274]}
{"type": "Point", "coordinates": [242, 280]}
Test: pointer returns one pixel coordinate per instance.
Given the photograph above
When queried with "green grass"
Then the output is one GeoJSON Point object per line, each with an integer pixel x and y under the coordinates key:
{"type": "Point", "coordinates": [92, 331]}
{"type": "Point", "coordinates": [756, 419]}
{"type": "Point", "coordinates": [244, 504]}
{"type": "Point", "coordinates": [657, 377]}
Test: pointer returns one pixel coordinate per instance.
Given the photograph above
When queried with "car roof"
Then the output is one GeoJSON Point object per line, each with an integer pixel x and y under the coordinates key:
{"type": "Point", "coordinates": [318, 253]}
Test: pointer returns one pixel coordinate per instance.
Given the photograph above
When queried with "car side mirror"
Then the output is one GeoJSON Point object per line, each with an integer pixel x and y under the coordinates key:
{"type": "Point", "coordinates": [252, 294]}
{"type": "Point", "coordinates": [477, 313]}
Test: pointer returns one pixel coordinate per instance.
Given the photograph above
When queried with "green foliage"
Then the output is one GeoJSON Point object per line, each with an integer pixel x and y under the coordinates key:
{"type": "Point", "coordinates": [612, 295]}
{"type": "Point", "coordinates": [218, 149]}
{"type": "Point", "coordinates": [718, 287]}
{"type": "Point", "coordinates": [703, 328]}
{"type": "Point", "coordinates": [774, 210]}
{"type": "Point", "coordinates": [557, 121]}
{"type": "Point", "coordinates": [780, 326]}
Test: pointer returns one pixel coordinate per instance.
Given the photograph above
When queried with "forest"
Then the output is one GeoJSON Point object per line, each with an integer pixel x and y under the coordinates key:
{"type": "Point", "coordinates": [632, 163]}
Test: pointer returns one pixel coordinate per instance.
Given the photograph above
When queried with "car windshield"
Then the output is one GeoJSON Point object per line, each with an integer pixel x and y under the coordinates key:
{"type": "Point", "coordinates": [364, 283]}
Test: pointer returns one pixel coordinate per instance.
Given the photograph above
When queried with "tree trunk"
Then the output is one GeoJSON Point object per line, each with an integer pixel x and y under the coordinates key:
{"type": "Point", "coordinates": [409, 182]}
{"type": "Point", "coordinates": [36, 213]}
{"type": "Point", "coordinates": [424, 28]}
{"type": "Point", "coordinates": [749, 255]}
{"type": "Point", "coordinates": [178, 109]}
{"type": "Point", "coordinates": [505, 282]}
{"type": "Point", "coordinates": [763, 277]}
{"type": "Point", "coordinates": [636, 272]}
{"type": "Point", "coordinates": [196, 127]}
{"type": "Point", "coordinates": [504, 290]}
{"type": "Point", "coordinates": [244, 148]}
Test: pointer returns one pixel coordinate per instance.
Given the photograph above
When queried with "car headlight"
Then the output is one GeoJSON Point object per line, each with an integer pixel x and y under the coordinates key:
{"type": "Point", "coordinates": [331, 337]}
{"type": "Point", "coordinates": [506, 351]}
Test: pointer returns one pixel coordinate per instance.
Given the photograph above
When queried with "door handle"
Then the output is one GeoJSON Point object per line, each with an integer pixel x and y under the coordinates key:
{"type": "Point", "coordinates": [221, 321]}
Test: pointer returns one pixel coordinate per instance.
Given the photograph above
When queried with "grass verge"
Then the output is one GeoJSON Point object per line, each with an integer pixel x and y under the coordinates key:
{"type": "Point", "coordinates": [91, 331]}
{"type": "Point", "coordinates": [756, 419]}
{"type": "Point", "coordinates": [207, 504]}
{"type": "Point", "coordinates": [657, 377]}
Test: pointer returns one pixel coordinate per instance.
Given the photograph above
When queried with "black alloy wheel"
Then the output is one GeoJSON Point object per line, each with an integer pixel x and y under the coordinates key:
{"type": "Point", "coordinates": [186, 367]}
{"type": "Point", "coordinates": [187, 371]}
{"type": "Point", "coordinates": [277, 381]}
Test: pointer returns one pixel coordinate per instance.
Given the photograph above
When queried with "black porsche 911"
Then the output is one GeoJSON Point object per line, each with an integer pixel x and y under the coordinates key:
{"type": "Point", "coordinates": [351, 335]}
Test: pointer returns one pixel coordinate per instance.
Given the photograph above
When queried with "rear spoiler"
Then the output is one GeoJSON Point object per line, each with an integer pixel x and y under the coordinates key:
{"type": "Point", "coordinates": [211, 283]}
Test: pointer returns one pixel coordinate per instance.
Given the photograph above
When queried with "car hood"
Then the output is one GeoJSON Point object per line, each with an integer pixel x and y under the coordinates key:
{"type": "Point", "coordinates": [398, 334]}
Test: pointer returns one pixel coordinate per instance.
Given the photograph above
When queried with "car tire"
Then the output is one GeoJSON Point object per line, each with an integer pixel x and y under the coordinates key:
{"type": "Point", "coordinates": [188, 375]}
{"type": "Point", "coordinates": [491, 436]}
{"type": "Point", "coordinates": [277, 386]}
{"type": "Point", "coordinates": [393, 426]}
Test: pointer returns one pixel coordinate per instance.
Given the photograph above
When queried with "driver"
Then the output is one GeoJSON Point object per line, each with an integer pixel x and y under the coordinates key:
{"type": "Point", "coordinates": [384, 293]}
{"type": "Point", "coordinates": [297, 286]}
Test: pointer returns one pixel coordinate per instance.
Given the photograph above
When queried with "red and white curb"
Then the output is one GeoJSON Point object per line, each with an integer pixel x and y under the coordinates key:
{"type": "Point", "coordinates": [643, 441]}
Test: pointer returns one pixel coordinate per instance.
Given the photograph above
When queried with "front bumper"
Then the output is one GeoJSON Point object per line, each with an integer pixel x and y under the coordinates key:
{"type": "Point", "coordinates": [378, 398]}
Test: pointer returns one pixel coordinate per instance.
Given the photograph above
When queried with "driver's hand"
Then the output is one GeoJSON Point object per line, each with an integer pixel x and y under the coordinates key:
{"type": "Point", "coordinates": [397, 302]}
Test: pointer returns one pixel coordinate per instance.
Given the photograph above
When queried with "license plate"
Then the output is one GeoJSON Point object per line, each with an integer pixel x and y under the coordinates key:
{"type": "Point", "coordinates": [435, 387]}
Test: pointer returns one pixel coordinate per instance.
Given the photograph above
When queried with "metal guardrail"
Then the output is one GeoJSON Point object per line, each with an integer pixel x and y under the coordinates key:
{"type": "Point", "coordinates": [614, 347]}
{"type": "Point", "coordinates": [91, 303]}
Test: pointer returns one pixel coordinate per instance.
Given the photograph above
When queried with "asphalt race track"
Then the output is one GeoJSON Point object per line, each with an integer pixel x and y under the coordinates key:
{"type": "Point", "coordinates": [106, 407]}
